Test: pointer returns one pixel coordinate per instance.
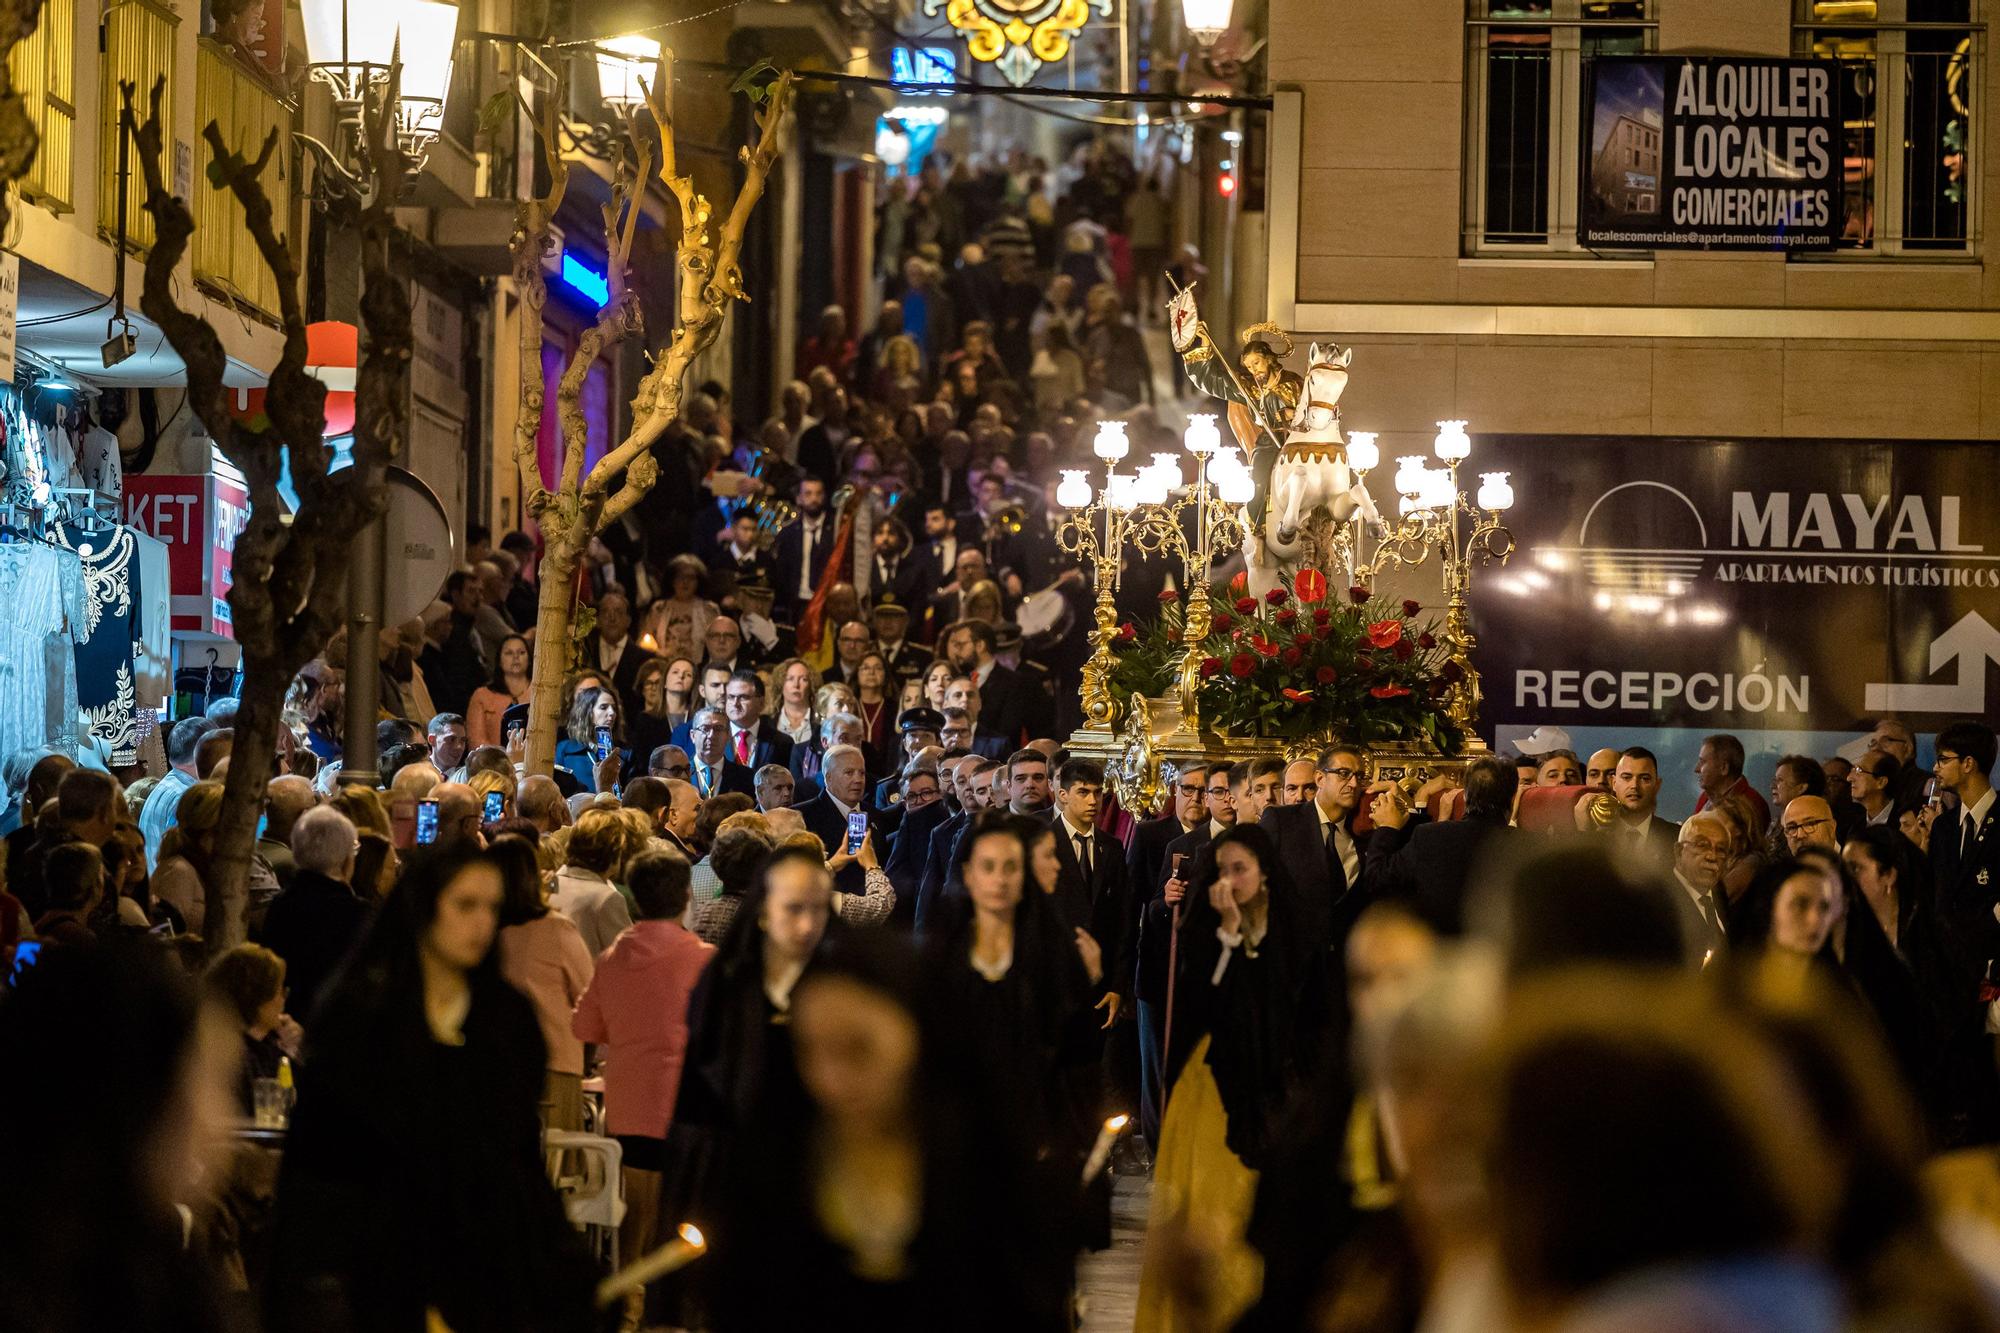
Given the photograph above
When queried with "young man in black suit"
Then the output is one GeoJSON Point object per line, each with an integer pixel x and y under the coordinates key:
{"type": "Point", "coordinates": [803, 549]}
{"type": "Point", "coordinates": [1965, 844]}
{"type": "Point", "coordinates": [899, 574]}
{"type": "Point", "coordinates": [754, 740]}
{"type": "Point", "coordinates": [1091, 891]}
{"type": "Point", "coordinates": [1635, 786]}
{"type": "Point", "coordinates": [1427, 863]}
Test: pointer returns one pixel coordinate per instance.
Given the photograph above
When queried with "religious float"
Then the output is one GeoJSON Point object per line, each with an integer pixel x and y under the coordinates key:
{"type": "Point", "coordinates": [1297, 649]}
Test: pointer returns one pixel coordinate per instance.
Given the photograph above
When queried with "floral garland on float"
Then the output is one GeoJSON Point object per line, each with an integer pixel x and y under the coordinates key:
{"type": "Point", "coordinates": [1300, 666]}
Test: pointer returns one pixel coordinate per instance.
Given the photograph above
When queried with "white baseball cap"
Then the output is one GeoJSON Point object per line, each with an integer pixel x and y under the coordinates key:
{"type": "Point", "coordinates": [1542, 740]}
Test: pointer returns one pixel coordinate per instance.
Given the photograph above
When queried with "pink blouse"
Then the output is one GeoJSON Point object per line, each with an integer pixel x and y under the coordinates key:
{"type": "Point", "coordinates": [637, 1008]}
{"type": "Point", "coordinates": [546, 961]}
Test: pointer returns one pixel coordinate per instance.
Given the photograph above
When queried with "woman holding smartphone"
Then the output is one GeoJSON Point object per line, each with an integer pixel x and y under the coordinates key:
{"type": "Point", "coordinates": [596, 732]}
{"type": "Point", "coordinates": [510, 685]}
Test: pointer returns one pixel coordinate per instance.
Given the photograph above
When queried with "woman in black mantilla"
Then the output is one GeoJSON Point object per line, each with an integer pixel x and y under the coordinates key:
{"type": "Point", "coordinates": [413, 1177]}
{"type": "Point", "coordinates": [1249, 1006]}
{"type": "Point", "coordinates": [888, 1198]}
{"type": "Point", "coordinates": [1017, 994]}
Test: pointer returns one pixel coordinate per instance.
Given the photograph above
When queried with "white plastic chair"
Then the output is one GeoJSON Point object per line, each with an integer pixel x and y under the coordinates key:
{"type": "Point", "coordinates": [593, 1197]}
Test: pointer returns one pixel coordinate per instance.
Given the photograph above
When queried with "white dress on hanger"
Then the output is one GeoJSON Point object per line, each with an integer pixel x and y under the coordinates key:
{"type": "Point", "coordinates": [42, 589]}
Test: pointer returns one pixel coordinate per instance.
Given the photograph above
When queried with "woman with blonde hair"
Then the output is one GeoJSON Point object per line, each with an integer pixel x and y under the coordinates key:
{"type": "Point", "coordinates": [981, 602]}
{"type": "Point", "coordinates": [902, 368]}
{"type": "Point", "coordinates": [180, 879]}
{"type": "Point", "coordinates": [595, 852]}
{"type": "Point", "coordinates": [678, 620]}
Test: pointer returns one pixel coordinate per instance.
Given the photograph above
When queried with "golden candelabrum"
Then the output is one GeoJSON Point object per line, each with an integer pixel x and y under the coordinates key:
{"type": "Point", "coordinates": [1078, 536]}
{"type": "Point", "coordinates": [1196, 525]}
{"type": "Point", "coordinates": [1431, 509]}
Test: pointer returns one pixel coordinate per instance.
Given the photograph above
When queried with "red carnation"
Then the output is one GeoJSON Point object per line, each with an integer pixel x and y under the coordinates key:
{"type": "Point", "coordinates": [1221, 621]}
{"type": "Point", "coordinates": [1287, 616]}
{"type": "Point", "coordinates": [1405, 651]}
{"type": "Point", "coordinates": [1358, 594]}
{"type": "Point", "coordinates": [1246, 606]}
{"type": "Point", "coordinates": [1386, 633]}
{"type": "Point", "coordinates": [1322, 616]}
{"type": "Point", "coordinates": [1326, 675]}
{"type": "Point", "coordinates": [1276, 597]}
{"type": "Point", "coordinates": [1210, 667]}
{"type": "Point", "coordinates": [1241, 581]}
{"type": "Point", "coordinates": [1168, 596]}
{"type": "Point", "coordinates": [1390, 691]}
{"type": "Point", "coordinates": [1293, 657]}
{"type": "Point", "coordinates": [1411, 606]}
{"type": "Point", "coordinates": [1242, 665]}
{"type": "Point", "coordinates": [1426, 640]}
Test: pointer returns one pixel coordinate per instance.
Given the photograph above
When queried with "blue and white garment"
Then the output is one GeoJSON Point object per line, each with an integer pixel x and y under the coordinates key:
{"type": "Point", "coordinates": [106, 689]}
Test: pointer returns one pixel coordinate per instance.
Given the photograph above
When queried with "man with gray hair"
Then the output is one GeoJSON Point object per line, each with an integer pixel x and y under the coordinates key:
{"type": "Point", "coordinates": [541, 802]}
{"type": "Point", "coordinates": [775, 785]}
{"type": "Point", "coordinates": [285, 799]}
{"type": "Point", "coordinates": [809, 762]}
{"type": "Point", "coordinates": [1701, 854]}
{"type": "Point", "coordinates": [318, 917]}
{"type": "Point", "coordinates": [845, 784]}
{"type": "Point", "coordinates": [415, 782]}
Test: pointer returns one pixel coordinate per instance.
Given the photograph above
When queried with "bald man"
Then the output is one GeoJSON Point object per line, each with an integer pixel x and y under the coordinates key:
{"type": "Point", "coordinates": [1301, 782]}
{"type": "Point", "coordinates": [1597, 773]}
{"type": "Point", "coordinates": [1808, 822]}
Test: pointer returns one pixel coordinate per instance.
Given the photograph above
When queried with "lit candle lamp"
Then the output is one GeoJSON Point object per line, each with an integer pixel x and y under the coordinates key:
{"type": "Point", "coordinates": [676, 1254]}
{"type": "Point", "coordinates": [1100, 1152]}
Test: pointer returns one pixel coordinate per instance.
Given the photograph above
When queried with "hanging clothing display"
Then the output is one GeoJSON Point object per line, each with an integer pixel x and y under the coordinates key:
{"type": "Point", "coordinates": [152, 621]}
{"type": "Point", "coordinates": [42, 589]}
{"type": "Point", "coordinates": [105, 682]}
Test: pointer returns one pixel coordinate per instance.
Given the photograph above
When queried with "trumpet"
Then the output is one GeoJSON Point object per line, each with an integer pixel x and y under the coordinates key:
{"type": "Point", "coordinates": [1006, 521]}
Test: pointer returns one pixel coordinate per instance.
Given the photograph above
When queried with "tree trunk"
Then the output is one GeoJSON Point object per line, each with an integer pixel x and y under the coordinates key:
{"type": "Point", "coordinates": [556, 590]}
{"type": "Point", "coordinates": [251, 755]}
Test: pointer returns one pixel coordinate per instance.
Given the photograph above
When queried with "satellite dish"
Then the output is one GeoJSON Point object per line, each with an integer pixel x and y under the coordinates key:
{"type": "Point", "coordinates": [417, 547]}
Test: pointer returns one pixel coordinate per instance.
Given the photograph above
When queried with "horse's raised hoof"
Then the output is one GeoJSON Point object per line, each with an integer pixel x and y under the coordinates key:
{"type": "Point", "coordinates": [1286, 536]}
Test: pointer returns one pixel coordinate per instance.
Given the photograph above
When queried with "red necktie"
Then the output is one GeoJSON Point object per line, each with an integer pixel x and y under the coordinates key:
{"type": "Point", "coordinates": [742, 747]}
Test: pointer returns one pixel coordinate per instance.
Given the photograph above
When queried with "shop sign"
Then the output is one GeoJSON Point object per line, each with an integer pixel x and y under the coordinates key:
{"type": "Point", "coordinates": [1710, 153]}
{"type": "Point", "coordinates": [1787, 591]}
{"type": "Point", "coordinates": [198, 518]}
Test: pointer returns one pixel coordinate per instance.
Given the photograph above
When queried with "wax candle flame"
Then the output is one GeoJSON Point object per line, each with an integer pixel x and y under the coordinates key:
{"type": "Point", "coordinates": [691, 1233]}
{"type": "Point", "coordinates": [1117, 1122]}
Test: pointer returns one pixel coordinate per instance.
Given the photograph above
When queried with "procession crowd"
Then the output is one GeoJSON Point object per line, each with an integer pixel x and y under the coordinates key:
{"type": "Point", "coordinates": [820, 921]}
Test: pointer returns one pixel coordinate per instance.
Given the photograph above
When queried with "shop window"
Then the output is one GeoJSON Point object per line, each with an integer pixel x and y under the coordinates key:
{"type": "Point", "coordinates": [1909, 78]}
{"type": "Point", "coordinates": [1525, 68]}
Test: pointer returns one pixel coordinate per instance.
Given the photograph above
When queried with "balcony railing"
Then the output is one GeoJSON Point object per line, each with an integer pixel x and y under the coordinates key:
{"type": "Point", "coordinates": [245, 109]}
{"type": "Point", "coordinates": [44, 72]}
{"type": "Point", "coordinates": [139, 49]}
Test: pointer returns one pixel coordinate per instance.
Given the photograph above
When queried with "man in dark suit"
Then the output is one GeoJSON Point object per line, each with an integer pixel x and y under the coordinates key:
{"type": "Point", "coordinates": [923, 808]}
{"type": "Point", "coordinates": [1426, 863]}
{"type": "Point", "coordinates": [979, 791]}
{"type": "Point", "coordinates": [754, 740]}
{"type": "Point", "coordinates": [919, 729]}
{"type": "Point", "coordinates": [898, 575]}
{"type": "Point", "coordinates": [1635, 787]}
{"type": "Point", "coordinates": [1091, 889]}
{"type": "Point", "coordinates": [808, 760]}
{"type": "Point", "coordinates": [1004, 700]}
{"type": "Point", "coordinates": [844, 783]}
{"type": "Point", "coordinates": [1965, 845]}
{"type": "Point", "coordinates": [1148, 872]}
{"type": "Point", "coordinates": [852, 641]}
{"type": "Point", "coordinates": [610, 648]}
{"type": "Point", "coordinates": [710, 770]}
{"type": "Point", "coordinates": [740, 560]}
{"type": "Point", "coordinates": [1319, 850]}
{"type": "Point", "coordinates": [1699, 859]}
{"type": "Point", "coordinates": [892, 622]}
{"type": "Point", "coordinates": [803, 550]}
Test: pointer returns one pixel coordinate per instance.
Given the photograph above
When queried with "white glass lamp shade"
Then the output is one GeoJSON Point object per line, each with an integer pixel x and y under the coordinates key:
{"type": "Point", "coordinates": [425, 44]}
{"type": "Point", "coordinates": [1202, 438]}
{"type": "Point", "coordinates": [1452, 444]}
{"type": "Point", "coordinates": [622, 62]}
{"type": "Point", "coordinates": [1436, 492]}
{"type": "Point", "coordinates": [1494, 492]}
{"type": "Point", "coordinates": [1121, 491]}
{"type": "Point", "coordinates": [342, 35]}
{"type": "Point", "coordinates": [1111, 444]}
{"type": "Point", "coordinates": [1238, 487]}
{"type": "Point", "coordinates": [1362, 453]}
{"type": "Point", "coordinates": [1409, 474]}
{"type": "Point", "coordinates": [1074, 492]}
{"type": "Point", "coordinates": [1207, 19]}
{"type": "Point", "coordinates": [1152, 485]}
{"type": "Point", "coordinates": [1169, 467]}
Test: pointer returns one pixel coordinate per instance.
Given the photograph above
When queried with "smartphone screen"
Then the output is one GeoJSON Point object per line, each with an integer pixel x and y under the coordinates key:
{"type": "Point", "coordinates": [427, 823]}
{"type": "Point", "coordinates": [857, 829]}
{"type": "Point", "coordinates": [602, 750]}
{"type": "Point", "coordinates": [514, 735]}
{"type": "Point", "coordinates": [496, 806]}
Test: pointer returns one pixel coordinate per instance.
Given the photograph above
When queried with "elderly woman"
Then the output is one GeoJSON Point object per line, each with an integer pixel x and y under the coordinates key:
{"type": "Point", "coordinates": [678, 621]}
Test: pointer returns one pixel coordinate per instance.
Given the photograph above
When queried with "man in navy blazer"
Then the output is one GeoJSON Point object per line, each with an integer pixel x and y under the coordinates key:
{"type": "Point", "coordinates": [804, 548]}
{"type": "Point", "coordinates": [1091, 892]}
{"type": "Point", "coordinates": [709, 768]}
{"type": "Point", "coordinates": [1965, 844]}
{"type": "Point", "coordinates": [754, 740]}
{"type": "Point", "coordinates": [1319, 851]}
{"type": "Point", "coordinates": [845, 783]}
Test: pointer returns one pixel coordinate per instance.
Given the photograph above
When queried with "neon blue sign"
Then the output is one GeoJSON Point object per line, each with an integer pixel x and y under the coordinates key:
{"type": "Point", "coordinates": [585, 280]}
{"type": "Point", "coordinates": [923, 67]}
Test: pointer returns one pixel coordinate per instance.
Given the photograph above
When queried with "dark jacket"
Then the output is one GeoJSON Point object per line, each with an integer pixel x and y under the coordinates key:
{"type": "Point", "coordinates": [1328, 904]}
{"type": "Point", "coordinates": [937, 868]}
{"type": "Point", "coordinates": [1428, 864]}
{"type": "Point", "coordinates": [1100, 904]}
{"type": "Point", "coordinates": [313, 924]}
{"type": "Point", "coordinates": [905, 866]}
{"type": "Point", "coordinates": [767, 746]}
{"type": "Point", "coordinates": [734, 777]}
{"type": "Point", "coordinates": [824, 820]}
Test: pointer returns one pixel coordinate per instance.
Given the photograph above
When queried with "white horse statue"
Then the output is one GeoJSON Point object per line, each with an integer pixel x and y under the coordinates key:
{"type": "Point", "coordinates": [1311, 474]}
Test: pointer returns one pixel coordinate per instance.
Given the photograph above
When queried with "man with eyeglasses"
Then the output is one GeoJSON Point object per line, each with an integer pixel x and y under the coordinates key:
{"type": "Point", "coordinates": [923, 809]}
{"type": "Point", "coordinates": [722, 644]}
{"type": "Point", "coordinates": [1872, 784]}
{"type": "Point", "coordinates": [669, 761]}
{"type": "Point", "coordinates": [1158, 892]}
{"type": "Point", "coordinates": [1896, 740]}
{"type": "Point", "coordinates": [1965, 852]}
{"type": "Point", "coordinates": [979, 789]}
{"type": "Point", "coordinates": [1700, 857]}
{"type": "Point", "coordinates": [1808, 822]}
{"type": "Point", "coordinates": [712, 771]}
{"type": "Point", "coordinates": [851, 643]}
{"type": "Point", "coordinates": [1317, 845]}
{"type": "Point", "coordinates": [754, 740]}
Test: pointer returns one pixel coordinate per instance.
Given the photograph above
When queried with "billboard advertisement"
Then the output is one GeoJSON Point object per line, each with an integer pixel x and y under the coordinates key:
{"type": "Point", "coordinates": [1710, 153]}
{"type": "Point", "coordinates": [1788, 591]}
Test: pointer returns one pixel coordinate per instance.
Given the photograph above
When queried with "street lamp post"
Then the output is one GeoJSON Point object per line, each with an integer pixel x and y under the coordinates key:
{"type": "Point", "coordinates": [1078, 537]}
{"type": "Point", "coordinates": [1431, 508]}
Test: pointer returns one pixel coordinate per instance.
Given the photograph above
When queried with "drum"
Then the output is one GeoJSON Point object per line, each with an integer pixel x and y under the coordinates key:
{"type": "Point", "coordinates": [1045, 619]}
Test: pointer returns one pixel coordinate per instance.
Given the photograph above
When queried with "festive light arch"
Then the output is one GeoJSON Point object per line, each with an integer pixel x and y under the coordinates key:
{"type": "Point", "coordinates": [1017, 37]}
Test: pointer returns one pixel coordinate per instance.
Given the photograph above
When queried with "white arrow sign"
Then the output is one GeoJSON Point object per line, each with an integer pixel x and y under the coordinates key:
{"type": "Point", "coordinates": [1970, 642]}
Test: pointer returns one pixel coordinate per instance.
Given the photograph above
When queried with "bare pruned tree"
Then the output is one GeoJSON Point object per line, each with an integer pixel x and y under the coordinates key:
{"type": "Point", "coordinates": [709, 279]}
{"type": "Point", "coordinates": [290, 577]}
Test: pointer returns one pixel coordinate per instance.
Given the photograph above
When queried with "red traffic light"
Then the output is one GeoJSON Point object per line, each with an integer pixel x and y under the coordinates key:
{"type": "Point", "coordinates": [1226, 184]}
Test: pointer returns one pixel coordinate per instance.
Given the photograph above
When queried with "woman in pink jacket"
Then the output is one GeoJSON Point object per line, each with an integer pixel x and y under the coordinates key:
{"type": "Point", "coordinates": [636, 1009]}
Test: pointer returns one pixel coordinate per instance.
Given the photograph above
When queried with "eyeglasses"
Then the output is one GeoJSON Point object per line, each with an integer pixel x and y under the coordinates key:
{"type": "Point", "coordinates": [1877, 774]}
{"type": "Point", "coordinates": [1218, 793]}
{"type": "Point", "coordinates": [677, 770]}
{"type": "Point", "coordinates": [1342, 774]}
{"type": "Point", "coordinates": [705, 726]}
{"type": "Point", "coordinates": [1794, 829]}
{"type": "Point", "coordinates": [1944, 758]}
{"type": "Point", "coordinates": [1705, 847]}
{"type": "Point", "coordinates": [1193, 789]}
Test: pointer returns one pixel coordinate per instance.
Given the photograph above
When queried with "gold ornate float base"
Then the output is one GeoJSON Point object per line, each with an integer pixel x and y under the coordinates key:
{"type": "Point", "coordinates": [1152, 744]}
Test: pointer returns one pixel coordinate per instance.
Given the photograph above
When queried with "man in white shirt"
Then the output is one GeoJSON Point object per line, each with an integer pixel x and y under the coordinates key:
{"type": "Point", "coordinates": [1699, 859]}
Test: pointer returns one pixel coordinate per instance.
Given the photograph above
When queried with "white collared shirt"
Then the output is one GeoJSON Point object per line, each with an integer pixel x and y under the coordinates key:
{"type": "Point", "coordinates": [1970, 819]}
{"type": "Point", "coordinates": [1343, 842]}
{"type": "Point", "coordinates": [609, 653]}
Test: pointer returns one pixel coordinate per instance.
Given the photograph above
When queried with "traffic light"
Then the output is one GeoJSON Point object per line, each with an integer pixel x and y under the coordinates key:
{"type": "Point", "coordinates": [1225, 184]}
